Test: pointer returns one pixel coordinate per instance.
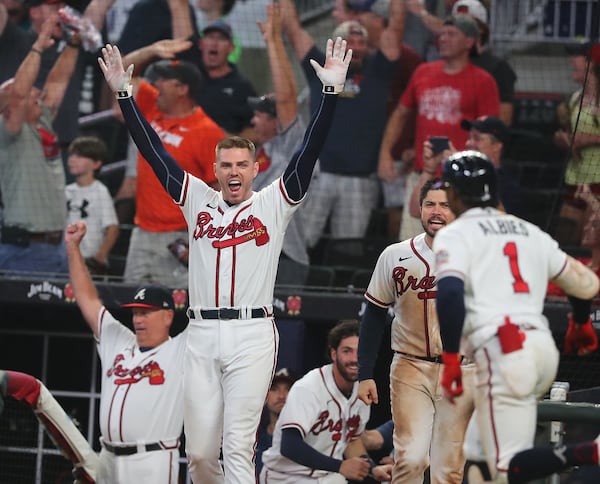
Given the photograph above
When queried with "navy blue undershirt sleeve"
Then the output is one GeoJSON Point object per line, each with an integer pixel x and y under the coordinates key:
{"type": "Point", "coordinates": [450, 305]}
{"type": "Point", "coordinates": [387, 432]}
{"type": "Point", "coordinates": [293, 447]}
{"type": "Point", "coordinates": [371, 331]}
{"type": "Point", "coordinates": [298, 173]}
{"type": "Point", "coordinates": [168, 172]}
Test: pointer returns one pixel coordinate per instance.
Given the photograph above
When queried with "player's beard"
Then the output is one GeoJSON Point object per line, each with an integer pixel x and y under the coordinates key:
{"type": "Point", "coordinates": [431, 233]}
{"type": "Point", "coordinates": [343, 371]}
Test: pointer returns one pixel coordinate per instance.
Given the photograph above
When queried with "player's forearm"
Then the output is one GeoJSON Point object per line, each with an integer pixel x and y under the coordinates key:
{"type": "Point", "coordinates": [298, 173]}
{"type": "Point", "coordinates": [578, 280]}
{"type": "Point", "coordinates": [84, 289]}
{"type": "Point", "coordinates": [369, 341]}
{"type": "Point", "coordinates": [293, 447]}
{"type": "Point", "coordinates": [168, 172]}
{"type": "Point", "coordinates": [450, 305]}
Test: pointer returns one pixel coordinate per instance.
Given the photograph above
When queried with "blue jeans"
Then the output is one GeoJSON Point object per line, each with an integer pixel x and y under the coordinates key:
{"type": "Point", "coordinates": [37, 257]}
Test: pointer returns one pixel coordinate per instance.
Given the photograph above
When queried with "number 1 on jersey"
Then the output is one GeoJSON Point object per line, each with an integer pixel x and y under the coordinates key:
{"type": "Point", "coordinates": [510, 251]}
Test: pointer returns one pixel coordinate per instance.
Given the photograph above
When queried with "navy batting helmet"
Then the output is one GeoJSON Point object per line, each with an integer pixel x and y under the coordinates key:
{"type": "Point", "coordinates": [473, 176]}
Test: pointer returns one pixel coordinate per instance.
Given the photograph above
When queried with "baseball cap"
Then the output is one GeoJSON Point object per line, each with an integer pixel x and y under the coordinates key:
{"type": "Point", "coordinates": [349, 27]}
{"type": "Point", "coordinates": [465, 24]}
{"type": "Point", "coordinates": [219, 26]}
{"type": "Point", "coordinates": [474, 8]}
{"type": "Point", "coordinates": [283, 375]}
{"type": "Point", "coordinates": [490, 125]}
{"type": "Point", "coordinates": [152, 297]}
{"type": "Point", "coordinates": [378, 7]}
{"type": "Point", "coordinates": [264, 104]}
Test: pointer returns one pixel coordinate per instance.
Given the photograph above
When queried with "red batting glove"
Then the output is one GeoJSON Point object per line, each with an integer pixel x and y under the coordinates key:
{"type": "Point", "coordinates": [451, 376]}
{"type": "Point", "coordinates": [581, 338]}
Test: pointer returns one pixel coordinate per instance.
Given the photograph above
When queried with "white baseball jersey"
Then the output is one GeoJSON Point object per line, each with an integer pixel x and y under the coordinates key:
{"type": "Point", "coordinates": [327, 420]}
{"type": "Point", "coordinates": [403, 277]}
{"type": "Point", "coordinates": [505, 263]}
{"type": "Point", "coordinates": [236, 248]}
{"type": "Point", "coordinates": [132, 378]}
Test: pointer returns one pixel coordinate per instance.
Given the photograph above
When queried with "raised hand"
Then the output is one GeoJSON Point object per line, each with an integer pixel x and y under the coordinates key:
{"type": "Point", "coordinates": [271, 29]}
{"type": "Point", "coordinates": [169, 48]}
{"type": "Point", "coordinates": [75, 232]}
{"type": "Point", "coordinates": [111, 64]}
{"type": "Point", "coordinates": [337, 60]}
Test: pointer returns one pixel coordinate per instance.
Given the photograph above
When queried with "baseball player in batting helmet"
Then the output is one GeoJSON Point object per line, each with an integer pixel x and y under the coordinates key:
{"type": "Point", "coordinates": [428, 430]}
{"type": "Point", "coordinates": [492, 271]}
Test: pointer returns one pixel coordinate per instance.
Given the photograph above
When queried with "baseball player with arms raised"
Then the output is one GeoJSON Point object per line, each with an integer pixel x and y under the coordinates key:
{"type": "Point", "coordinates": [235, 238]}
{"type": "Point", "coordinates": [141, 404]}
{"type": "Point", "coordinates": [492, 271]}
{"type": "Point", "coordinates": [428, 431]}
{"type": "Point", "coordinates": [317, 436]}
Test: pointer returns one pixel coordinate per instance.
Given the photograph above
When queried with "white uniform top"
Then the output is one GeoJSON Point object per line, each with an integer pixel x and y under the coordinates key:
{"type": "Point", "coordinates": [234, 250]}
{"type": "Point", "coordinates": [142, 392]}
{"type": "Point", "coordinates": [327, 420]}
{"type": "Point", "coordinates": [94, 205]}
{"type": "Point", "coordinates": [505, 263]}
{"type": "Point", "coordinates": [403, 277]}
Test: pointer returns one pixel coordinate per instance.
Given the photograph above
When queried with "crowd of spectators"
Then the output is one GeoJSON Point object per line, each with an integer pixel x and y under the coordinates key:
{"type": "Point", "coordinates": [420, 69]}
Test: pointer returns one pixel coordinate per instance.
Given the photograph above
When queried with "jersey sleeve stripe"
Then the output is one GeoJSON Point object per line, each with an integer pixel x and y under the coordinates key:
{"type": "Point", "coordinates": [293, 425]}
{"type": "Point", "coordinates": [561, 269]}
{"type": "Point", "coordinates": [376, 301]}
{"type": "Point", "coordinates": [450, 273]}
{"type": "Point", "coordinates": [184, 191]}
{"type": "Point", "coordinates": [288, 200]}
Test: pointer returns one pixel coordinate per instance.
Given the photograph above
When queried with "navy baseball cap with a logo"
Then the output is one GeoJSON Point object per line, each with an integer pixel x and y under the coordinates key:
{"type": "Point", "coordinates": [151, 297]}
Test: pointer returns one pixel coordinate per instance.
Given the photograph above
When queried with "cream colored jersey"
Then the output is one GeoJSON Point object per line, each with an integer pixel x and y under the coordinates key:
{"type": "Point", "coordinates": [234, 250]}
{"type": "Point", "coordinates": [403, 278]}
{"type": "Point", "coordinates": [327, 420]}
{"type": "Point", "coordinates": [142, 391]}
{"type": "Point", "coordinates": [512, 285]}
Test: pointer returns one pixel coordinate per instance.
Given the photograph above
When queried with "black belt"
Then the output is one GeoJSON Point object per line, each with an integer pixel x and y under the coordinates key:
{"type": "Point", "coordinates": [131, 449]}
{"type": "Point", "coordinates": [431, 359]}
{"type": "Point", "coordinates": [226, 313]}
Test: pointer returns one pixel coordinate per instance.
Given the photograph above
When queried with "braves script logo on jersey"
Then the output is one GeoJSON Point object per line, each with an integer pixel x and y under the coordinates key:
{"type": "Point", "coordinates": [335, 428]}
{"type": "Point", "coordinates": [126, 376]}
{"type": "Point", "coordinates": [405, 282]}
{"type": "Point", "coordinates": [248, 229]}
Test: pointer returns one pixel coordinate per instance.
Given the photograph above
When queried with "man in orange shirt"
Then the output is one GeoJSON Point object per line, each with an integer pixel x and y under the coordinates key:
{"type": "Point", "coordinates": [190, 136]}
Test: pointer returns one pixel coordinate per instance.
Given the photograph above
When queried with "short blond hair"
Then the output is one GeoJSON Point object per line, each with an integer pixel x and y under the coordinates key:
{"type": "Point", "coordinates": [232, 142]}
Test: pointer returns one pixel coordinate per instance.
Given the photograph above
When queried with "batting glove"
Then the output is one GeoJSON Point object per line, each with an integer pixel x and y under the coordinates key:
{"type": "Point", "coordinates": [333, 73]}
{"type": "Point", "coordinates": [451, 376]}
{"type": "Point", "coordinates": [581, 338]}
{"type": "Point", "coordinates": [117, 78]}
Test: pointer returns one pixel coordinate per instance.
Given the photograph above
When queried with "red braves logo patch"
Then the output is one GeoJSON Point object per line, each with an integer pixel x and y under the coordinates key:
{"type": "Point", "coordinates": [126, 376]}
{"type": "Point", "coordinates": [240, 232]}
{"type": "Point", "coordinates": [404, 283]}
